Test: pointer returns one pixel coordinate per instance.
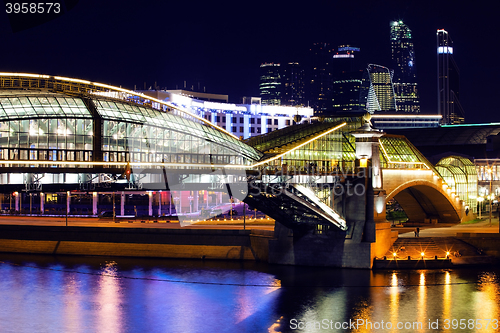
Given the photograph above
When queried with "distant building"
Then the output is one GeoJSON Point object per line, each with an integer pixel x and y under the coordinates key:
{"type": "Point", "coordinates": [293, 84]}
{"type": "Point", "coordinates": [380, 95]}
{"type": "Point", "coordinates": [242, 120]}
{"type": "Point", "coordinates": [347, 82]}
{"type": "Point", "coordinates": [320, 78]}
{"type": "Point", "coordinates": [270, 84]}
{"type": "Point", "coordinates": [403, 64]}
{"type": "Point", "coordinates": [448, 81]}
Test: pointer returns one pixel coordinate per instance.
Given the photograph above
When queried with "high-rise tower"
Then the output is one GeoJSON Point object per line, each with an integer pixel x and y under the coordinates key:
{"type": "Point", "coordinates": [270, 84]}
{"type": "Point", "coordinates": [448, 81]}
{"type": "Point", "coordinates": [320, 80]}
{"type": "Point", "coordinates": [380, 95]}
{"type": "Point", "coordinates": [292, 81]}
{"type": "Point", "coordinates": [403, 64]}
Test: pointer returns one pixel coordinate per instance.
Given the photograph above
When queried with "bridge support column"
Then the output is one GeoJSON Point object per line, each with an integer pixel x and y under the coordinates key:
{"type": "Point", "coordinates": [16, 204]}
{"type": "Point", "coordinates": [196, 200]}
{"type": "Point", "coordinates": [42, 202]}
{"type": "Point", "coordinates": [68, 202]}
{"type": "Point", "coordinates": [150, 203]}
{"type": "Point", "coordinates": [95, 197]}
{"type": "Point", "coordinates": [159, 203]}
{"type": "Point", "coordinates": [122, 203]}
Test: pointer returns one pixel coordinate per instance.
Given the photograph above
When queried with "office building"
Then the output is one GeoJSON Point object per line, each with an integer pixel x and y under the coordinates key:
{"type": "Point", "coordinates": [293, 84]}
{"type": "Point", "coordinates": [270, 84]}
{"type": "Point", "coordinates": [403, 64]}
{"type": "Point", "coordinates": [380, 96]}
{"type": "Point", "coordinates": [348, 80]}
{"type": "Point", "coordinates": [320, 79]}
{"type": "Point", "coordinates": [448, 81]}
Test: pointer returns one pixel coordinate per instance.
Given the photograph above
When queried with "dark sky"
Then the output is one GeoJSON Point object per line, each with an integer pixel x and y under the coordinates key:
{"type": "Point", "coordinates": [222, 44]}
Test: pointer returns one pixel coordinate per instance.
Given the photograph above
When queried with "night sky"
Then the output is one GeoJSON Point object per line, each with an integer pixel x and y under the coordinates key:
{"type": "Point", "coordinates": [221, 44]}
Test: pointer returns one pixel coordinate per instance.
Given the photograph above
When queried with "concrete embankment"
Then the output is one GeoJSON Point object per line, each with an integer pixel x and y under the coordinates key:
{"type": "Point", "coordinates": [136, 242]}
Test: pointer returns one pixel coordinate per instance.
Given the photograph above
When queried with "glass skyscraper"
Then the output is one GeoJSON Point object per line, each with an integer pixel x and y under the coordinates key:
{"type": "Point", "coordinates": [448, 81]}
{"type": "Point", "coordinates": [403, 64]}
{"type": "Point", "coordinates": [270, 84]}
{"type": "Point", "coordinates": [381, 91]}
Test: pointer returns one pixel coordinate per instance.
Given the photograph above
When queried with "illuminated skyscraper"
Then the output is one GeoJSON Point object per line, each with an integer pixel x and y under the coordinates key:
{"type": "Point", "coordinates": [292, 81]}
{"type": "Point", "coordinates": [320, 80]}
{"type": "Point", "coordinates": [448, 81]}
{"type": "Point", "coordinates": [381, 95]}
{"type": "Point", "coordinates": [347, 82]}
{"type": "Point", "coordinates": [270, 84]}
{"type": "Point", "coordinates": [403, 63]}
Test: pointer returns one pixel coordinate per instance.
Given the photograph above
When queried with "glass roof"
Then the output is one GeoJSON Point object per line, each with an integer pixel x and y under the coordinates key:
{"type": "Point", "coordinates": [21, 105]}
{"type": "Point", "coordinates": [113, 110]}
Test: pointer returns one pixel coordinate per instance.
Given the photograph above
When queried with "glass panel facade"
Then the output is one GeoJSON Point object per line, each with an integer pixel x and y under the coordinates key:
{"type": "Point", "coordinates": [45, 127]}
{"type": "Point", "coordinates": [148, 135]}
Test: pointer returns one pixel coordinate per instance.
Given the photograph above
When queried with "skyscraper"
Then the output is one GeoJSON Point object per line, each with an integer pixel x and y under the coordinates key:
{"type": "Point", "coordinates": [320, 80]}
{"type": "Point", "coordinates": [347, 80]}
{"type": "Point", "coordinates": [448, 81]}
{"type": "Point", "coordinates": [381, 95]}
{"type": "Point", "coordinates": [403, 64]}
{"type": "Point", "coordinates": [270, 84]}
{"type": "Point", "coordinates": [292, 81]}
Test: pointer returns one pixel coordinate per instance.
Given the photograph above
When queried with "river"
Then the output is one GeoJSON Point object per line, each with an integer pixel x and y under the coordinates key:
{"type": "Point", "coordinates": [98, 294]}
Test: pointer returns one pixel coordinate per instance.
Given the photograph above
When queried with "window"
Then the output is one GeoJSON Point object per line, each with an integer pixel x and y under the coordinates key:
{"type": "Point", "coordinates": [275, 121]}
{"type": "Point", "coordinates": [223, 119]}
{"type": "Point", "coordinates": [241, 129]}
{"type": "Point", "coordinates": [288, 122]}
{"type": "Point", "coordinates": [258, 130]}
{"type": "Point", "coordinates": [217, 119]}
{"type": "Point", "coordinates": [241, 120]}
{"type": "Point", "coordinates": [269, 121]}
{"type": "Point", "coordinates": [258, 121]}
{"type": "Point", "coordinates": [252, 130]}
{"type": "Point", "coordinates": [252, 120]}
{"type": "Point", "coordinates": [234, 129]}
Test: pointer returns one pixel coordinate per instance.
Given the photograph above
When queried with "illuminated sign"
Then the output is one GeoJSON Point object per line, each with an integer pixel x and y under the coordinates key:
{"type": "Point", "coordinates": [348, 48]}
{"type": "Point", "coordinates": [445, 49]}
{"type": "Point", "coordinates": [343, 56]}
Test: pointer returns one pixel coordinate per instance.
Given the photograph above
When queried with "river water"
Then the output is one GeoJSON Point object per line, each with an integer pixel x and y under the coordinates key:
{"type": "Point", "coordinates": [98, 294]}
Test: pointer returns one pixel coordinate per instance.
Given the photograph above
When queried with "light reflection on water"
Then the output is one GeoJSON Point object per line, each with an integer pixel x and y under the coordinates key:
{"type": "Point", "coordinates": [48, 294]}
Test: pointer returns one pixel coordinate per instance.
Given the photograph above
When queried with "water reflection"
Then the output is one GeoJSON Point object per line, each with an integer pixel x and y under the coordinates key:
{"type": "Point", "coordinates": [124, 295]}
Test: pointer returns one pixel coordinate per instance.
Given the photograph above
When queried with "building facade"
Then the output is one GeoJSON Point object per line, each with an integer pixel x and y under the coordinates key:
{"type": "Point", "coordinates": [293, 84]}
{"type": "Point", "coordinates": [448, 81]}
{"type": "Point", "coordinates": [242, 120]}
{"type": "Point", "coordinates": [270, 84]}
{"type": "Point", "coordinates": [403, 64]}
{"type": "Point", "coordinates": [380, 94]}
{"type": "Point", "coordinates": [320, 78]}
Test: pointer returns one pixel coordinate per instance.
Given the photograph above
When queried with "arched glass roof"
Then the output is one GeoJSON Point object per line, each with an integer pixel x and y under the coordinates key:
{"type": "Point", "coordinates": [461, 176]}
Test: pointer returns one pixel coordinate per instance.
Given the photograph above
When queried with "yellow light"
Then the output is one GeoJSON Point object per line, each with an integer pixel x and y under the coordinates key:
{"type": "Point", "coordinates": [422, 254]}
{"type": "Point", "coordinates": [363, 162]}
{"type": "Point", "coordinates": [448, 253]}
{"type": "Point", "coordinates": [394, 254]}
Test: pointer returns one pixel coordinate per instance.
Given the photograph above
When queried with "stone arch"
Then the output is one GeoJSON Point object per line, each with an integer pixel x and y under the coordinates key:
{"type": "Point", "coordinates": [425, 201]}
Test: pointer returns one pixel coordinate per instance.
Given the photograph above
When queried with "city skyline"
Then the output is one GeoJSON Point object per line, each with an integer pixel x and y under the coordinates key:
{"type": "Point", "coordinates": [221, 48]}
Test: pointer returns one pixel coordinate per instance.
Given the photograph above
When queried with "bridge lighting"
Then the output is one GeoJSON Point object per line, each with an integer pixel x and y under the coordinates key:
{"type": "Point", "coordinates": [447, 254]}
{"type": "Point", "coordinates": [394, 254]}
{"type": "Point", "coordinates": [422, 254]}
{"type": "Point", "coordinates": [363, 162]}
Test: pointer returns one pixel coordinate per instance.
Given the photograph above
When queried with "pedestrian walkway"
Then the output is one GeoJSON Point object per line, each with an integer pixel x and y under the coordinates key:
{"type": "Point", "coordinates": [450, 231]}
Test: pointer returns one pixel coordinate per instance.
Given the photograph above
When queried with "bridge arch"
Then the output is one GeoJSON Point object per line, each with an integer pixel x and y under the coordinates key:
{"type": "Point", "coordinates": [425, 198]}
